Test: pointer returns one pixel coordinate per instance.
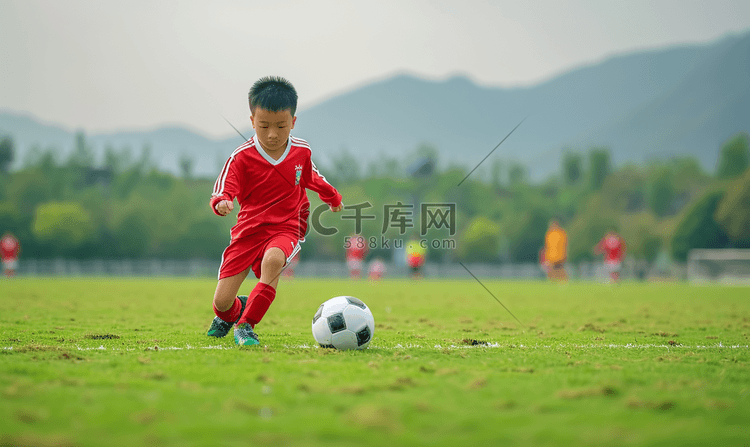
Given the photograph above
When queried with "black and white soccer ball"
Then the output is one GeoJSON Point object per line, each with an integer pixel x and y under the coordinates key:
{"type": "Point", "coordinates": [343, 322]}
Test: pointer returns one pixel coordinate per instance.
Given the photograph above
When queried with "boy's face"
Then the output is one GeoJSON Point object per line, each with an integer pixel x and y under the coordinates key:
{"type": "Point", "coordinates": [272, 128]}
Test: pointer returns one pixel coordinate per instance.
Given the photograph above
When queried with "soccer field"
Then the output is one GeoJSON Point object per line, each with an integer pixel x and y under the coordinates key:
{"type": "Point", "coordinates": [93, 362]}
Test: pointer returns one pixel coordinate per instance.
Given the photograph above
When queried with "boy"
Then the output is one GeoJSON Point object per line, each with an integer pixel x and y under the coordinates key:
{"type": "Point", "coordinates": [377, 269]}
{"type": "Point", "coordinates": [416, 255]}
{"type": "Point", "coordinates": [268, 176]}
{"type": "Point", "coordinates": [613, 248]}
{"type": "Point", "coordinates": [356, 250]}
{"type": "Point", "coordinates": [9, 251]}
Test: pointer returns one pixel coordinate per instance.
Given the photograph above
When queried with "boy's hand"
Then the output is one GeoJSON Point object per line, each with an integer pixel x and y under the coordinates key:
{"type": "Point", "coordinates": [225, 207]}
{"type": "Point", "coordinates": [337, 208]}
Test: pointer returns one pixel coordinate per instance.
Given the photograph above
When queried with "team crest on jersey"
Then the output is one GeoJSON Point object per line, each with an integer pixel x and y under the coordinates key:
{"type": "Point", "coordinates": [297, 174]}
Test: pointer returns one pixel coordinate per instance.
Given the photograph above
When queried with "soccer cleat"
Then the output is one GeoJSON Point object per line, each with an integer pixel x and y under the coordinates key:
{"type": "Point", "coordinates": [244, 335]}
{"type": "Point", "coordinates": [220, 328]}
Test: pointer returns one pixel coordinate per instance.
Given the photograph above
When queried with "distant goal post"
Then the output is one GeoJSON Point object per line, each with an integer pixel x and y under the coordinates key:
{"type": "Point", "coordinates": [725, 266]}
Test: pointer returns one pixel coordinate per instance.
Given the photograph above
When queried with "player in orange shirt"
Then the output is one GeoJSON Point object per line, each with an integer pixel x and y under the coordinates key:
{"type": "Point", "coordinates": [556, 251]}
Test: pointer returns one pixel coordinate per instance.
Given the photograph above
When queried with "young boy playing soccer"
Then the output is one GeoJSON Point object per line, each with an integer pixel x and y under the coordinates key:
{"type": "Point", "coordinates": [268, 175]}
{"type": "Point", "coordinates": [613, 247]}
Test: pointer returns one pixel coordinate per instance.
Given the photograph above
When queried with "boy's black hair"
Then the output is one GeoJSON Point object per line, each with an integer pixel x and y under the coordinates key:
{"type": "Point", "coordinates": [273, 93]}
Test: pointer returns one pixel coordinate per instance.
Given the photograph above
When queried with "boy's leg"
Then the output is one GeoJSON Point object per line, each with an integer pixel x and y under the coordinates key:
{"type": "Point", "coordinates": [261, 297]}
{"type": "Point", "coordinates": [264, 293]}
{"type": "Point", "coordinates": [226, 290]}
{"type": "Point", "coordinates": [278, 251]}
{"type": "Point", "coordinates": [227, 305]}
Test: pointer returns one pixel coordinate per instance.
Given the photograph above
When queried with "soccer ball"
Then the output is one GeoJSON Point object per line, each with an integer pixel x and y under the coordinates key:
{"type": "Point", "coordinates": [343, 322]}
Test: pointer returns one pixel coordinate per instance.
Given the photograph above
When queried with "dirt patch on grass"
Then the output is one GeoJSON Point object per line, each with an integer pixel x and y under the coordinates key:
{"type": "Point", "coordinates": [401, 383]}
{"type": "Point", "coordinates": [664, 405]}
{"type": "Point", "coordinates": [352, 389]}
{"type": "Point", "coordinates": [505, 405]}
{"type": "Point", "coordinates": [102, 336]}
{"type": "Point", "coordinates": [234, 404]}
{"type": "Point", "coordinates": [36, 348]}
{"type": "Point", "coordinates": [374, 417]}
{"type": "Point", "coordinates": [69, 356]}
{"type": "Point", "coordinates": [664, 334]}
{"type": "Point", "coordinates": [717, 404]}
{"type": "Point", "coordinates": [38, 441]}
{"type": "Point", "coordinates": [158, 376]}
{"type": "Point", "coordinates": [477, 384]}
{"type": "Point", "coordinates": [591, 327]}
{"type": "Point", "coordinates": [587, 392]}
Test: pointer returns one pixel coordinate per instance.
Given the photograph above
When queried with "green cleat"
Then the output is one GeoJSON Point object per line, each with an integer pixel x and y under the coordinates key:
{"type": "Point", "coordinates": [220, 328]}
{"type": "Point", "coordinates": [244, 335]}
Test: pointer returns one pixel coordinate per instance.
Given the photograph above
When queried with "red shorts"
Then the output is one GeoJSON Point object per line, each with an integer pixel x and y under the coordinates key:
{"type": "Point", "coordinates": [248, 252]}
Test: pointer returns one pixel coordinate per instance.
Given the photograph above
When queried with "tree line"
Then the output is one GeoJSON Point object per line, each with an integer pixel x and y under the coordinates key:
{"type": "Point", "coordinates": [124, 207]}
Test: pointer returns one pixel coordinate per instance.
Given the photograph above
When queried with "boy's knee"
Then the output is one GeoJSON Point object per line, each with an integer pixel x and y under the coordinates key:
{"type": "Point", "coordinates": [223, 301]}
{"type": "Point", "coordinates": [274, 259]}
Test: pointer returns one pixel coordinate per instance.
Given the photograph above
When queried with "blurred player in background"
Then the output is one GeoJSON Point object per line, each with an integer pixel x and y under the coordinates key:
{"type": "Point", "coordinates": [356, 251]}
{"type": "Point", "coordinates": [377, 269]}
{"type": "Point", "coordinates": [556, 251]}
{"type": "Point", "coordinates": [10, 248]}
{"type": "Point", "coordinates": [416, 255]}
{"type": "Point", "coordinates": [613, 248]}
{"type": "Point", "coordinates": [288, 272]}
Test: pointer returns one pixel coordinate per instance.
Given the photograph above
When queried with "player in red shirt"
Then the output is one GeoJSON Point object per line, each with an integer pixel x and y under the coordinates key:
{"type": "Point", "coordinates": [613, 248]}
{"type": "Point", "coordinates": [10, 248]}
{"type": "Point", "coordinates": [268, 176]}
{"type": "Point", "coordinates": [356, 250]}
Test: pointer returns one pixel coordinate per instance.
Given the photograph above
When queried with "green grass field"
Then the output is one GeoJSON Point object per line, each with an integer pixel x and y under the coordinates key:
{"type": "Point", "coordinates": [115, 362]}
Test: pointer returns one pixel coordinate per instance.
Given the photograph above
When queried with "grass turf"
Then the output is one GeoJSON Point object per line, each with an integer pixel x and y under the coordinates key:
{"type": "Point", "coordinates": [125, 362]}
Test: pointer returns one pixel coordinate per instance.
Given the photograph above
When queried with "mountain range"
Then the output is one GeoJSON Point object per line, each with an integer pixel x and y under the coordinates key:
{"type": "Point", "coordinates": [675, 101]}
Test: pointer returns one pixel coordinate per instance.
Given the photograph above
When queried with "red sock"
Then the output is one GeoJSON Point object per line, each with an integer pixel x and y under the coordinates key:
{"type": "Point", "coordinates": [258, 302]}
{"type": "Point", "coordinates": [232, 314]}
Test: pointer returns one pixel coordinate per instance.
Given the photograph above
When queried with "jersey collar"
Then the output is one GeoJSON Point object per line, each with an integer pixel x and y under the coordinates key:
{"type": "Point", "coordinates": [268, 157]}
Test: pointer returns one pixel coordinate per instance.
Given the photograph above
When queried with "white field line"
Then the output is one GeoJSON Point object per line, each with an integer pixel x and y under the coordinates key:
{"type": "Point", "coordinates": [438, 347]}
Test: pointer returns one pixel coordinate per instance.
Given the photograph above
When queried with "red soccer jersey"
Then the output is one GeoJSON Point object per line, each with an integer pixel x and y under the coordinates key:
{"type": "Point", "coordinates": [272, 192]}
{"type": "Point", "coordinates": [9, 248]}
{"type": "Point", "coordinates": [613, 248]}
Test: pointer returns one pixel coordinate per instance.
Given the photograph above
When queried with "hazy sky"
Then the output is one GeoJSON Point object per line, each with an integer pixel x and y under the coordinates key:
{"type": "Point", "coordinates": [104, 65]}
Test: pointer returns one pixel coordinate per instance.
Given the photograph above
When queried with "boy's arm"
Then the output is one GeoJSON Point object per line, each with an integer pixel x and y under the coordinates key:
{"type": "Point", "coordinates": [314, 181]}
{"type": "Point", "coordinates": [226, 188]}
